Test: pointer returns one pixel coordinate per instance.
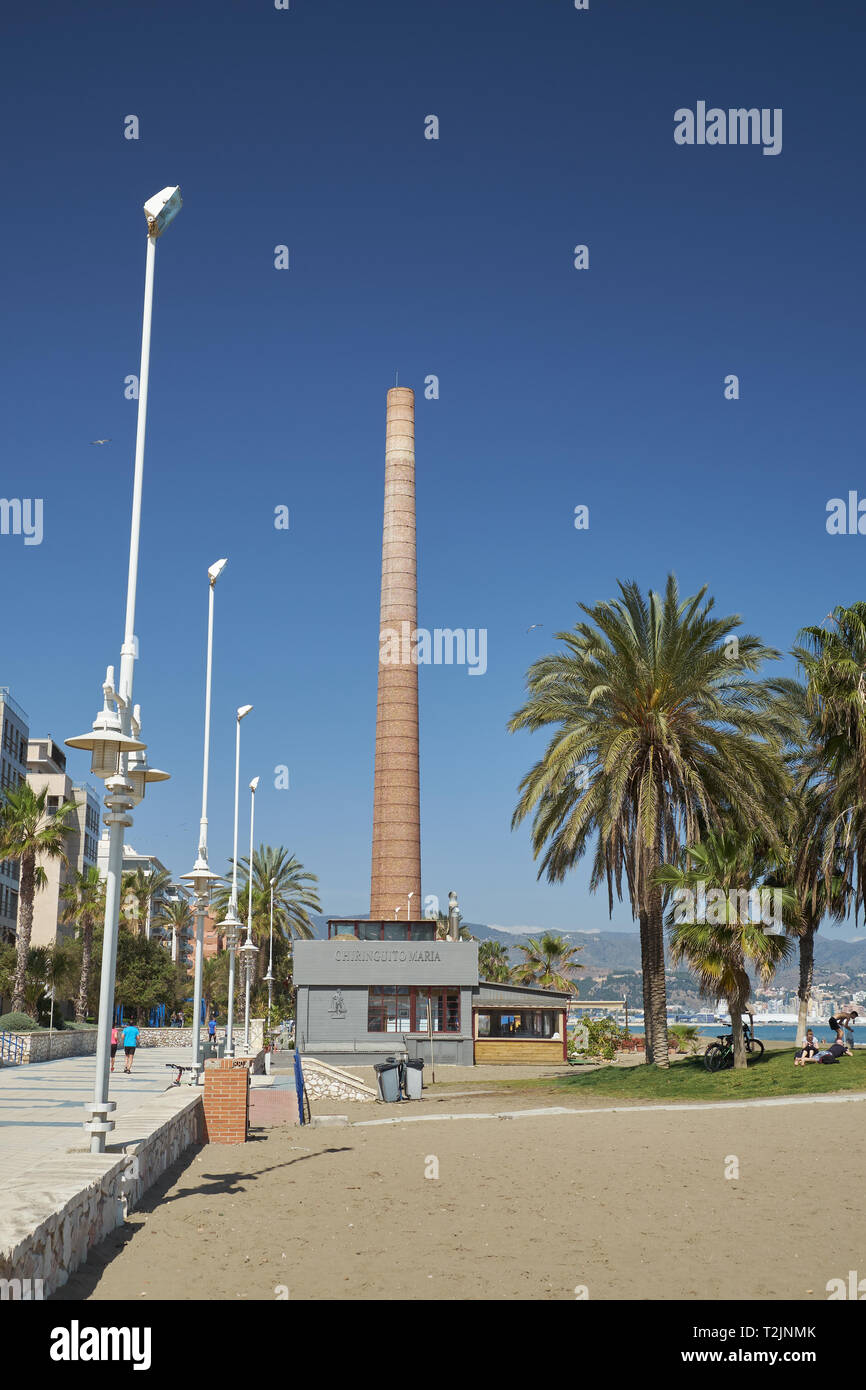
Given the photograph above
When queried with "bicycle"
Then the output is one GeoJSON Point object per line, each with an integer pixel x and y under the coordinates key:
{"type": "Point", "coordinates": [720, 1054]}
{"type": "Point", "coordinates": [174, 1066]}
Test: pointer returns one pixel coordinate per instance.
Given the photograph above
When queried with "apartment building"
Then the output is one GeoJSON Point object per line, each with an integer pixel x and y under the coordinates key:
{"type": "Point", "coordinates": [46, 769]}
{"type": "Point", "coordinates": [13, 770]}
{"type": "Point", "coordinates": [180, 944]}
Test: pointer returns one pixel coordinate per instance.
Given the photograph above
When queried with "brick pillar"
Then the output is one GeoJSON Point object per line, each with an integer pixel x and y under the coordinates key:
{"type": "Point", "coordinates": [226, 1101]}
{"type": "Point", "coordinates": [396, 866]}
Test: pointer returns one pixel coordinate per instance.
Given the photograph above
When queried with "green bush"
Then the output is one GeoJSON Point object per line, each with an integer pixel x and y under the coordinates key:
{"type": "Point", "coordinates": [603, 1038]}
{"type": "Point", "coordinates": [685, 1035]}
{"type": "Point", "coordinates": [18, 1023]}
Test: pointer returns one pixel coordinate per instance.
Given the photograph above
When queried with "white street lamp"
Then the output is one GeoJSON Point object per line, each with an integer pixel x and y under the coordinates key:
{"type": "Point", "coordinates": [408, 901]}
{"type": "Point", "coordinates": [270, 975]}
{"type": "Point", "coordinates": [202, 876]}
{"type": "Point", "coordinates": [249, 951]}
{"type": "Point", "coordinates": [231, 923]}
{"type": "Point", "coordinates": [115, 734]}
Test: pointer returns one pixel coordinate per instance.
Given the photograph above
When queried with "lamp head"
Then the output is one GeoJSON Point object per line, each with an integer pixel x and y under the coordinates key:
{"type": "Point", "coordinates": [106, 742]}
{"type": "Point", "coordinates": [161, 209]}
{"type": "Point", "coordinates": [254, 783]}
{"type": "Point", "coordinates": [216, 570]}
{"type": "Point", "coordinates": [243, 712]}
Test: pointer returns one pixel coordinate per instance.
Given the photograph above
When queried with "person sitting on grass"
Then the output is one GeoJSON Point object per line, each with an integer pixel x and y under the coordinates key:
{"type": "Point", "coordinates": [808, 1052]}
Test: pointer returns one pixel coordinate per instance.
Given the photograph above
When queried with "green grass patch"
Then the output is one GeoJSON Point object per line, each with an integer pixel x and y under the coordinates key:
{"type": "Point", "coordinates": [774, 1074]}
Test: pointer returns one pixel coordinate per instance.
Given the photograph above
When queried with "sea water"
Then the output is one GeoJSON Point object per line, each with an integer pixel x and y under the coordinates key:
{"type": "Point", "coordinates": [779, 1032]}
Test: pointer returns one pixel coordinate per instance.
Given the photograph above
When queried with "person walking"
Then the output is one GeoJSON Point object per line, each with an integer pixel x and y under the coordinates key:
{"type": "Point", "coordinates": [130, 1043]}
{"type": "Point", "coordinates": [113, 1045]}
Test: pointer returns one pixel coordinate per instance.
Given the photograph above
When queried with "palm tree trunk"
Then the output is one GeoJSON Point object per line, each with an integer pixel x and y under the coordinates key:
{"type": "Point", "coordinates": [656, 971]}
{"type": "Point", "coordinates": [643, 918]}
{"type": "Point", "coordinates": [27, 888]}
{"type": "Point", "coordinates": [736, 1005]}
{"type": "Point", "coordinates": [84, 982]}
{"type": "Point", "coordinates": [804, 992]}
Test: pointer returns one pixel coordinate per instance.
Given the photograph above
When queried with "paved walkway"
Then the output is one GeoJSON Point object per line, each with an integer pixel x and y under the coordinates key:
{"type": "Point", "coordinates": [42, 1105]}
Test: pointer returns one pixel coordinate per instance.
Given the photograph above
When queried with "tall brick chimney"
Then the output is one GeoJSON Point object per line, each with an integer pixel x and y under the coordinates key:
{"type": "Point", "coordinates": [396, 795]}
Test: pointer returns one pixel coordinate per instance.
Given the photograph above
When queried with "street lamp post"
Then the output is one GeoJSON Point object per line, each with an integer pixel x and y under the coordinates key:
{"type": "Point", "coordinates": [117, 752]}
{"type": "Point", "coordinates": [201, 876]}
{"type": "Point", "coordinates": [249, 950]}
{"type": "Point", "coordinates": [231, 923]}
{"type": "Point", "coordinates": [270, 975]}
{"type": "Point", "coordinates": [408, 901]}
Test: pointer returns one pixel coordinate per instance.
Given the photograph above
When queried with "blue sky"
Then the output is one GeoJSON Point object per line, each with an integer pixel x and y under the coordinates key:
{"type": "Point", "coordinates": [453, 257]}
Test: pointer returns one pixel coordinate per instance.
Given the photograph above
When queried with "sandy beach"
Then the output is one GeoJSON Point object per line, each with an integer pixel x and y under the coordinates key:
{"type": "Point", "coordinates": [625, 1206]}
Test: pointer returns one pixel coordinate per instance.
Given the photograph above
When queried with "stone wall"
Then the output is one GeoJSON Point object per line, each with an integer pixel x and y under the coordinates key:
{"type": "Point", "coordinates": [324, 1082]}
{"type": "Point", "coordinates": [73, 1042]}
{"type": "Point", "coordinates": [42, 1047]}
{"type": "Point", "coordinates": [54, 1213]}
{"type": "Point", "coordinates": [182, 1037]}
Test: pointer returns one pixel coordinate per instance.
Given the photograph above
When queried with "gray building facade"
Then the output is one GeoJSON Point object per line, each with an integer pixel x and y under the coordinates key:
{"type": "Point", "coordinates": [359, 1000]}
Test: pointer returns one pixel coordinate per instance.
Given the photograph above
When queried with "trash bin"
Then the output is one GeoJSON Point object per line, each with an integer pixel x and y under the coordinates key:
{"type": "Point", "coordinates": [388, 1079]}
{"type": "Point", "coordinates": [413, 1069]}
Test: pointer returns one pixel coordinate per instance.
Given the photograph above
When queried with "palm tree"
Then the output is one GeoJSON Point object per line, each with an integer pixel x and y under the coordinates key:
{"type": "Point", "coordinates": [493, 963]}
{"type": "Point", "coordinates": [176, 914]}
{"type": "Point", "coordinates": [214, 981]}
{"type": "Point", "coordinates": [548, 963]}
{"type": "Point", "coordinates": [654, 708]}
{"type": "Point", "coordinates": [29, 833]}
{"type": "Point", "coordinates": [723, 867]}
{"type": "Point", "coordinates": [834, 667]}
{"type": "Point", "coordinates": [140, 888]}
{"type": "Point", "coordinates": [295, 896]}
{"type": "Point", "coordinates": [83, 906]}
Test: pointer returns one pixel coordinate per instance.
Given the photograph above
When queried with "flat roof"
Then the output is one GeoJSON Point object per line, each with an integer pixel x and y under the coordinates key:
{"type": "Point", "coordinates": [516, 994]}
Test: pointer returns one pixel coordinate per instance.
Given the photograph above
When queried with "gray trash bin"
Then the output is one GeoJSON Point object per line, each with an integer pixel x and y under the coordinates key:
{"type": "Point", "coordinates": [388, 1079]}
{"type": "Point", "coordinates": [413, 1069]}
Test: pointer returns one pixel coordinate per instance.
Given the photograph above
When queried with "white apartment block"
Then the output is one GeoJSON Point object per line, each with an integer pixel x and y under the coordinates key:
{"type": "Point", "coordinates": [181, 947]}
{"type": "Point", "coordinates": [46, 768]}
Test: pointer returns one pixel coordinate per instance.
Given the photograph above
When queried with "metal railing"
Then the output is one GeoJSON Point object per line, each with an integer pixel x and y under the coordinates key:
{"type": "Point", "coordinates": [11, 1048]}
{"type": "Point", "coordinates": [7, 699]}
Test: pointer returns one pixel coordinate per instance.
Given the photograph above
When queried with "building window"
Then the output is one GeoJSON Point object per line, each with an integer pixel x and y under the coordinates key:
{"type": "Point", "coordinates": [528, 1023]}
{"type": "Point", "coordinates": [403, 1009]}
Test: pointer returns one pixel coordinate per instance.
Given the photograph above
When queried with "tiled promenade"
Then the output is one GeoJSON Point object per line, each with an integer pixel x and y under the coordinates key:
{"type": "Point", "coordinates": [42, 1106]}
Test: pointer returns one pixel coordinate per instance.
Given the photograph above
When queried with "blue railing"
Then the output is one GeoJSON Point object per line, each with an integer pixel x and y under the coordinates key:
{"type": "Point", "coordinates": [11, 1047]}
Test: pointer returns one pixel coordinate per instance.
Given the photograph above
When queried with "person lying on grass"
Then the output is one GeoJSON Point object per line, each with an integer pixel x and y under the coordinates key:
{"type": "Point", "coordinates": [831, 1055]}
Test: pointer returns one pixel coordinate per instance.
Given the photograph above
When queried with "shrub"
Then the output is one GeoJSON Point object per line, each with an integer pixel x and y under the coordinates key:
{"type": "Point", "coordinates": [685, 1035]}
{"type": "Point", "coordinates": [603, 1038]}
{"type": "Point", "coordinates": [18, 1023]}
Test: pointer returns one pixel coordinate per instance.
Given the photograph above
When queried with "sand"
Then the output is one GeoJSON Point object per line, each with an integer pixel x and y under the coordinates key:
{"type": "Point", "coordinates": [625, 1206]}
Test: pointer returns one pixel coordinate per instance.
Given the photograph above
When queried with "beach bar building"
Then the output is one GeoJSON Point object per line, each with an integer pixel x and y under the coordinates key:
{"type": "Point", "coordinates": [516, 1023]}
{"type": "Point", "coordinates": [375, 989]}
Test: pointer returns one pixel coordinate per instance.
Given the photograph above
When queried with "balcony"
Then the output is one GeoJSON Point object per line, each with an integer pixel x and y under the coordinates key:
{"type": "Point", "coordinates": [6, 697]}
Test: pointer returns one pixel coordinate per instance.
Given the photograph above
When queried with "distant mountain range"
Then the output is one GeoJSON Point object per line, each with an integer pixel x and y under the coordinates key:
{"type": "Point", "coordinates": [605, 952]}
